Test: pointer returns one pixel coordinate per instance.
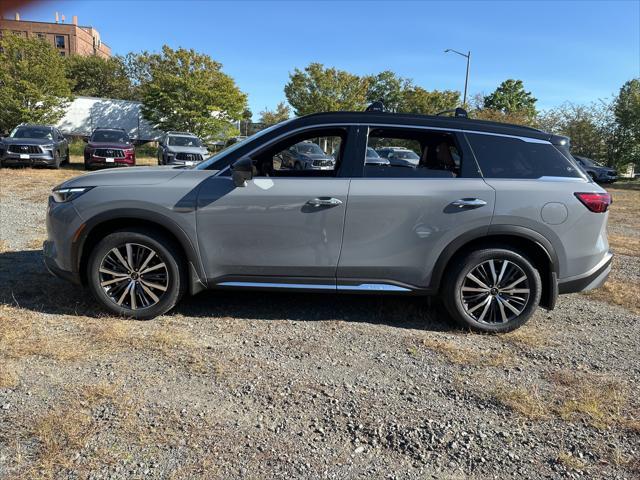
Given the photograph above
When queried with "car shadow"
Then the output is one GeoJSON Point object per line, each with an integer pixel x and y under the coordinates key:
{"type": "Point", "coordinates": [25, 283]}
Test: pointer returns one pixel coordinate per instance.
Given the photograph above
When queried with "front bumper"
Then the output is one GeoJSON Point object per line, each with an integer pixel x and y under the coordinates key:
{"type": "Point", "coordinates": [63, 226]}
{"type": "Point", "coordinates": [31, 159]}
{"type": "Point", "coordinates": [590, 280]}
{"type": "Point", "coordinates": [103, 162]}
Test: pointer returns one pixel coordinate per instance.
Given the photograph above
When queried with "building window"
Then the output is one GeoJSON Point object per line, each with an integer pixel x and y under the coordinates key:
{"type": "Point", "coordinates": [60, 41]}
{"type": "Point", "coordinates": [41, 36]}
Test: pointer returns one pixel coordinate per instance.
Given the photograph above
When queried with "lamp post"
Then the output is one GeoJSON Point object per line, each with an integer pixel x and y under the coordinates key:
{"type": "Point", "coordinates": [466, 82]}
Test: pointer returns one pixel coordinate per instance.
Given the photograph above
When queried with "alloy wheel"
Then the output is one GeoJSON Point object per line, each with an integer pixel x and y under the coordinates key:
{"type": "Point", "coordinates": [134, 276]}
{"type": "Point", "coordinates": [495, 291]}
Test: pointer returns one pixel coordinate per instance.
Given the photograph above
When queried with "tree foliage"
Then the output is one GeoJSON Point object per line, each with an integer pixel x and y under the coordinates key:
{"type": "Point", "coordinates": [320, 89]}
{"type": "Point", "coordinates": [626, 110]}
{"type": "Point", "coordinates": [511, 98]}
{"type": "Point", "coordinates": [271, 117]}
{"type": "Point", "coordinates": [95, 76]}
{"type": "Point", "coordinates": [33, 86]}
{"type": "Point", "coordinates": [390, 89]}
{"type": "Point", "coordinates": [185, 90]}
{"type": "Point", "coordinates": [429, 102]}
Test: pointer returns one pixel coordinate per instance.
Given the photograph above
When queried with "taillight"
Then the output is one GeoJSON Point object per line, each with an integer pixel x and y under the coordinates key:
{"type": "Point", "coordinates": [596, 202]}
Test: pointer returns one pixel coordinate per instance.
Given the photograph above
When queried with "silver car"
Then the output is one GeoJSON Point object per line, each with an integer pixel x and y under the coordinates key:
{"type": "Point", "coordinates": [495, 219]}
{"type": "Point", "coordinates": [180, 148]}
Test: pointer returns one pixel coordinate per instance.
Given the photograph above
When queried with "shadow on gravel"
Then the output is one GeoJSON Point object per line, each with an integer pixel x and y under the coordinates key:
{"type": "Point", "coordinates": [25, 282]}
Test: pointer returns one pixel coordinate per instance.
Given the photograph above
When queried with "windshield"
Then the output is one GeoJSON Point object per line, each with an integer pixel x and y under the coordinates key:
{"type": "Point", "coordinates": [218, 158]}
{"type": "Point", "coordinates": [185, 142]}
{"type": "Point", "coordinates": [588, 162]}
{"type": "Point", "coordinates": [109, 136]}
{"type": "Point", "coordinates": [406, 154]}
{"type": "Point", "coordinates": [371, 153]}
{"type": "Point", "coordinates": [31, 132]}
{"type": "Point", "coordinates": [309, 149]}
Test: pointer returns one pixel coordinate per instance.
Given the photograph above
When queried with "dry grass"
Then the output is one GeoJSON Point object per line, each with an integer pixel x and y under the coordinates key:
{"type": "Point", "coordinates": [35, 243]}
{"type": "Point", "coordinates": [625, 209]}
{"type": "Point", "coordinates": [463, 355]}
{"type": "Point", "coordinates": [528, 336]}
{"type": "Point", "coordinates": [570, 462]}
{"type": "Point", "coordinates": [624, 245]}
{"type": "Point", "coordinates": [8, 375]}
{"type": "Point", "coordinates": [525, 401]}
{"type": "Point", "coordinates": [617, 291]}
{"type": "Point", "coordinates": [4, 246]}
{"type": "Point", "coordinates": [598, 400]}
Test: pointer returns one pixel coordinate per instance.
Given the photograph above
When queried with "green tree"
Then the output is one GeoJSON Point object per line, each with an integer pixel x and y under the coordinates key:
{"type": "Point", "coordinates": [95, 76]}
{"type": "Point", "coordinates": [33, 86]}
{"type": "Point", "coordinates": [390, 89]}
{"type": "Point", "coordinates": [320, 89]}
{"type": "Point", "coordinates": [271, 117]}
{"type": "Point", "coordinates": [428, 102]}
{"type": "Point", "coordinates": [511, 98]}
{"type": "Point", "coordinates": [187, 90]}
{"type": "Point", "coordinates": [626, 110]}
{"type": "Point", "coordinates": [247, 115]}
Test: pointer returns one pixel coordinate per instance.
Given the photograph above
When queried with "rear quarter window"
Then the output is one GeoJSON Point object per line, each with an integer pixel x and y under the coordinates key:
{"type": "Point", "coordinates": [507, 157]}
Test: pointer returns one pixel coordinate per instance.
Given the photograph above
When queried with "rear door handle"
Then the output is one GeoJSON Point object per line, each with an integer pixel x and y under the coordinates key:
{"type": "Point", "coordinates": [324, 202]}
{"type": "Point", "coordinates": [469, 203]}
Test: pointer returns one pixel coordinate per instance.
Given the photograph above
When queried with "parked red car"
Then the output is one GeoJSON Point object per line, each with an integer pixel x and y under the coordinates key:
{"type": "Point", "coordinates": [109, 147]}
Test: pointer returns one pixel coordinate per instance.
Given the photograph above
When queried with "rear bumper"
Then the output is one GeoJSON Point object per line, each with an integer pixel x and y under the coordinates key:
{"type": "Point", "coordinates": [590, 280]}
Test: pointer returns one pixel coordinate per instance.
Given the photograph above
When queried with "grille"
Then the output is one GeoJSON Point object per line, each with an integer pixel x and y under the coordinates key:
{"type": "Point", "coordinates": [24, 149]}
{"type": "Point", "coordinates": [613, 174]}
{"type": "Point", "coordinates": [323, 163]}
{"type": "Point", "coordinates": [108, 153]}
{"type": "Point", "coordinates": [189, 157]}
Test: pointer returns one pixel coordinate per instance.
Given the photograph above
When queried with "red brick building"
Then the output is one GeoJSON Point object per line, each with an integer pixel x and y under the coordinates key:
{"type": "Point", "coordinates": [67, 38]}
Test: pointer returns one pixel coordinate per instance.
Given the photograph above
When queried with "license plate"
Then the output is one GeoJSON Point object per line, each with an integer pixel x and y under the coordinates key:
{"type": "Point", "coordinates": [188, 164]}
{"type": "Point", "coordinates": [109, 160]}
{"type": "Point", "coordinates": [24, 156]}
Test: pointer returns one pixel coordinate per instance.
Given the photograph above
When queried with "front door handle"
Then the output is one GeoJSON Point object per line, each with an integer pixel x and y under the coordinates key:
{"type": "Point", "coordinates": [469, 203]}
{"type": "Point", "coordinates": [324, 202]}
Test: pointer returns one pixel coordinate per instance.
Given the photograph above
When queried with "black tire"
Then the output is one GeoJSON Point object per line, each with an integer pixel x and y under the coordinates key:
{"type": "Point", "coordinates": [56, 160]}
{"type": "Point", "coordinates": [498, 317]}
{"type": "Point", "coordinates": [167, 253]}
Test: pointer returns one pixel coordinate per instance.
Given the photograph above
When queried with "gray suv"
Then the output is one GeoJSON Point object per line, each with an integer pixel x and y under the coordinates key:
{"type": "Point", "coordinates": [180, 148]}
{"type": "Point", "coordinates": [32, 145]}
{"type": "Point", "coordinates": [495, 219]}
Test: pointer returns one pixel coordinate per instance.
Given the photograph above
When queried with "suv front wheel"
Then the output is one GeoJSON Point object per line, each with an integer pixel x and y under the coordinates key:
{"type": "Point", "coordinates": [492, 290]}
{"type": "Point", "coordinates": [136, 273]}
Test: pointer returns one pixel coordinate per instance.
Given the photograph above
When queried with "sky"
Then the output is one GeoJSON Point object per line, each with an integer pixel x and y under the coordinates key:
{"type": "Point", "coordinates": [577, 51]}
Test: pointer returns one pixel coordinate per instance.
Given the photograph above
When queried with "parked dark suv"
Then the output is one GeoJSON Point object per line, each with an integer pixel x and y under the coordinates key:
{"type": "Point", "coordinates": [34, 145]}
{"type": "Point", "coordinates": [495, 219]}
{"type": "Point", "coordinates": [597, 172]}
{"type": "Point", "coordinates": [109, 147]}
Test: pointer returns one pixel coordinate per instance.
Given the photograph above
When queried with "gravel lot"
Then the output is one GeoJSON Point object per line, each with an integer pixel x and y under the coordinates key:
{"type": "Point", "coordinates": [248, 385]}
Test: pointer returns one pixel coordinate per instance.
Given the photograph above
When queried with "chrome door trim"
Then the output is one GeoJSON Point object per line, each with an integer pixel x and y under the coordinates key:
{"type": "Point", "coordinates": [375, 287]}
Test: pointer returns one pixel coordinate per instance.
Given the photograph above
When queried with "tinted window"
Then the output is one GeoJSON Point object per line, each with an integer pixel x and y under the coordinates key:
{"type": "Point", "coordinates": [32, 132]}
{"type": "Point", "coordinates": [407, 153]}
{"type": "Point", "coordinates": [506, 157]}
{"type": "Point", "coordinates": [109, 136]}
{"type": "Point", "coordinates": [59, 41]}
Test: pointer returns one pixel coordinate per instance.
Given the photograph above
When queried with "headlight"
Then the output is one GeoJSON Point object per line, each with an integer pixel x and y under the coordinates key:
{"type": "Point", "coordinates": [47, 147]}
{"type": "Point", "coordinates": [61, 195]}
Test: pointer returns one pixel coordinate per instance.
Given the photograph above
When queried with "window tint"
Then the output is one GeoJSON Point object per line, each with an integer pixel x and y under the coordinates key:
{"type": "Point", "coordinates": [106, 136]}
{"type": "Point", "coordinates": [315, 153]}
{"type": "Point", "coordinates": [412, 153]}
{"type": "Point", "coordinates": [60, 41]}
{"type": "Point", "coordinates": [32, 132]}
{"type": "Point", "coordinates": [184, 141]}
{"type": "Point", "coordinates": [506, 157]}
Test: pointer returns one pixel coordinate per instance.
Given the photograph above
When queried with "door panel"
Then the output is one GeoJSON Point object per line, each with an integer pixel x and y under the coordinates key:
{"type": "Point", "coordinates": [395, 229]}
{"type": "Point", "coordinates": [267, 228]}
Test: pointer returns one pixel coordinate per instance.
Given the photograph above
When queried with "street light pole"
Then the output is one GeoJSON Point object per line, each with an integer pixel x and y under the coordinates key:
{"type": "Point", "coordinates": [466, 81]}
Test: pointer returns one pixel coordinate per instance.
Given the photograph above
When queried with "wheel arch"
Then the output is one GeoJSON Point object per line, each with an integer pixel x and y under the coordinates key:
{"type": "Point", "coordinates": [536, 247]}
{"type": "Point", "coordinates": [105, 223]}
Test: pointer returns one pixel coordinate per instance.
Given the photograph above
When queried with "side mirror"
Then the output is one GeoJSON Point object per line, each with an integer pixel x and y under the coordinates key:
{"type": "Point", "coordinates": [242, 171]}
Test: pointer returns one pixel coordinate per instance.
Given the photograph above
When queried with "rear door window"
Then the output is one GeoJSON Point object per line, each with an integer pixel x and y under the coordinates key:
{"type": "Point", "coordinates": [510, 157]}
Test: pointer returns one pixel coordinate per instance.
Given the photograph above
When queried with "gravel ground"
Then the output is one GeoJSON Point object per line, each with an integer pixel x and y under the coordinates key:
{"type": "Point", "coordinates": [253, 385]}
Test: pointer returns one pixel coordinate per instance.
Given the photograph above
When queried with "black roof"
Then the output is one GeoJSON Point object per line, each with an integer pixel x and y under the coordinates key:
{"type": "Point", "coordinates": [427, 121]}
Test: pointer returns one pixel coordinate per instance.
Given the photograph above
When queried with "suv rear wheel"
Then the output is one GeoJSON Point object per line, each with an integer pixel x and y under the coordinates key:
{"type": "Point", "coordinates": [136, 273]}
{"type": "Point", "coordinates": [492, 290]}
